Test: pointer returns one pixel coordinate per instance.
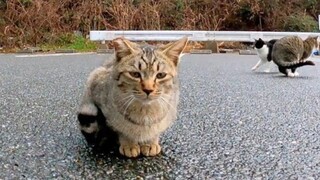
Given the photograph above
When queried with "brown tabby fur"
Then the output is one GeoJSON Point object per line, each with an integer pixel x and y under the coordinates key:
{"type": "Point", "coordinates": [137, 94]}
{"type": "Point", "coordinates": [291, 52]}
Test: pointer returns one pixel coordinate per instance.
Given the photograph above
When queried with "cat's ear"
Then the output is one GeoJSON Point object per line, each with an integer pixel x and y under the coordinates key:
{"type": "Point", "coordinates": [164, 46]}
{"type": "Point", "coordinates": [313, 37]}
{"type": "Point", "coordinates": [123, 47]}
{"type": "Point", "coordinates": [174, 49]}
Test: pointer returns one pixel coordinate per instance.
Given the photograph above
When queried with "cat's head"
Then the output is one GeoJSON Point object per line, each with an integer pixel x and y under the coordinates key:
{"type": "Point", "coordinates": [146, 73]}
{"type": "Point", "coordinates": [258, 44]}
{"type": "Point", "coordinates": [313, 41]}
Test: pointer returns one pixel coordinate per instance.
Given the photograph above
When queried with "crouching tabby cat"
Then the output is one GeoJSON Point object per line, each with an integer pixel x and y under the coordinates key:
{"type": "Point", "coordinates": [134, 98]}
{"type": "Point", "coordinates": [291, 52]}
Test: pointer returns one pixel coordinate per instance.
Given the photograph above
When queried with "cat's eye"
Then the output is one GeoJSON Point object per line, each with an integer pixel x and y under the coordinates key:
{"type": "Point", "coordinates": [135, 74]}
{"type": "Point", "coordinates": [161, 75]}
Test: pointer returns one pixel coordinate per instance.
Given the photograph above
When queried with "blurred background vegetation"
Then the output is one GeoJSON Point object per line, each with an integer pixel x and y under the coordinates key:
{"type": "Point", "coordinates": [66, 23]}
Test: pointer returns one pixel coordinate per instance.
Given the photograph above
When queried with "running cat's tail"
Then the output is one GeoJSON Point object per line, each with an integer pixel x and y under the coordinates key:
{"type": "Point", "coordinates": [299, 64]}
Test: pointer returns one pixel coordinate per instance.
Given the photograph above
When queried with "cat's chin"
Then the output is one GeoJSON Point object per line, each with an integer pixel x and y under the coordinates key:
{"type": "Point", "coordinates": [147, 101]}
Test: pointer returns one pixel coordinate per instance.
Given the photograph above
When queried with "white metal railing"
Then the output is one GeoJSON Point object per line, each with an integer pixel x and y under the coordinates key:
{"type": "Point", "coordinates": [243, 36]}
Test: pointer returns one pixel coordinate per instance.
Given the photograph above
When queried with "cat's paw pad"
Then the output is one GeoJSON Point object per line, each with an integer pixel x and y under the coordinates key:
{"type": "Point", "coordinates": [150, 149]}
{"type": "Point", "coordinates": [130, 150]}
{"type": "Point", "coordinates": [290, 74]}
{"type": "Point", "coordinates": [296, 74]}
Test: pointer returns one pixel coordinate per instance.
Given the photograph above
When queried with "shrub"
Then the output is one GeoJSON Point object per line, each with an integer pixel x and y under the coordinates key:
{"type": "Point", "coordinates": [300, 23]}
{"type": "Point", "coordinates": [37, 22]}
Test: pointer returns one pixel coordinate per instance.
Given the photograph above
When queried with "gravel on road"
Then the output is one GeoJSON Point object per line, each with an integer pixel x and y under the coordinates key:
{"type": "Point", "coordinates": [232, 124]}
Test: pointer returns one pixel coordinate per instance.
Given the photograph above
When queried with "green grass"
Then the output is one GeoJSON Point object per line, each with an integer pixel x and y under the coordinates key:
{"type": "Point", "coordinates": [82, 44]}
{"type": "Point", "coordinates": [70, 41]}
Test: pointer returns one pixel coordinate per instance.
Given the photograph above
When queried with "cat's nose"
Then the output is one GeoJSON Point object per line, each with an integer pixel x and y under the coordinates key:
{"type": "Point", "coordinates": [148, 91]}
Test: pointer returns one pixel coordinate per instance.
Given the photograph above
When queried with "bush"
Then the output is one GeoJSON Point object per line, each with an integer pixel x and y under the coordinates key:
{"type": "Point", "coordinates": [300, 23]}
{"type": "Point", "coordinates": [37, 22]}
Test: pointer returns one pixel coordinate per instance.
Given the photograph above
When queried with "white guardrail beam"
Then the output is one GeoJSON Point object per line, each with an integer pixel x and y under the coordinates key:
{"type": "Point", "coordinates": [242, 36]}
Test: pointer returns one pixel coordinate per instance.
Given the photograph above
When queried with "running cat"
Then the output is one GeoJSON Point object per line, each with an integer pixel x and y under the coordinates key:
{"type": "Point", "coordinates": [291, 52]}
{"type": "Point", "coordinates": [264, 52]}
{"type": "Point", "coordinates": [134, 98]}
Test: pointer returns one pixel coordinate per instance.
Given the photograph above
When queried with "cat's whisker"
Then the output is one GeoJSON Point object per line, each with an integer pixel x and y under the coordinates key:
{"type": "Point", "coordinates": [166, 96]}
{"type": "Point", "coordinates": [123, 103]}
{"type": "Point", "coordinates": [162, 106]}
{"type": "Point", "coordinates": [125, 110]}
{"type": "Point", "coordinates": [132, 105]}
{"type": "Point", "coordinates": [127, 97]}
{"type": "Point", "coordinates": [150, 119]}
{"type": "Point", "coordinates": [136, 91]}
{"type": "Point", "coordinates": [164, 100]}
{"type": "Point", "coordinates": [126, 101]}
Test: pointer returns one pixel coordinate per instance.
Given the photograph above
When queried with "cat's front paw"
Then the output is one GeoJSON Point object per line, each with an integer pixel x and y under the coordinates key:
{"type": "Point", "coordinates": [296, 74]}
{"type": "Point", "coordinates": [150, 149]}
{"type": "Point", "coordinates": [254, 68]}
{"type": "Point", "coordinates": [131, 151]}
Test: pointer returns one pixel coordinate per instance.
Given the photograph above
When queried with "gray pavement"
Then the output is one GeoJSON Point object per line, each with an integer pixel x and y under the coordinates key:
{"type": "Point", "coordinates": [232, 124]}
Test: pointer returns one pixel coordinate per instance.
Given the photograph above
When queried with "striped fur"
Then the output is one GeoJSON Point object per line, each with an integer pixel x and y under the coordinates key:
{"type": "Point", "coordinates": [137, 94]}
{"type": "Point", "coordinates": [291, 52]}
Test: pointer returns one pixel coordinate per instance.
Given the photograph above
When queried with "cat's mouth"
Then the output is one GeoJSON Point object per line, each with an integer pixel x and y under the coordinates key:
{"type": "Point", "coordinates": [149, 98]}
{"type": "Point", "coordinates": [146, 99]}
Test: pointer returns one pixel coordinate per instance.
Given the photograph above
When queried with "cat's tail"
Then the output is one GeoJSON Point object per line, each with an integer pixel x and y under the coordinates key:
{"type": "Point", "coordinates": [95, 130]}
{"type": "Point", "coordinates": [299, 64]}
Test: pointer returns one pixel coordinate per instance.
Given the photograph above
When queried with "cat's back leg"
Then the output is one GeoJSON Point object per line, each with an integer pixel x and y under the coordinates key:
{"type": "Point", "coordinates": [287, 72]}
{"type": "Point", "coordinates": [294, 71]}
{"type": "Point", "coordinates": [283, 70]}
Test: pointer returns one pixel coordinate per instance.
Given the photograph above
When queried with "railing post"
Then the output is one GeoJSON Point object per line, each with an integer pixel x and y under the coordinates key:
{"type": "Point", "coordinates": [212, 45]}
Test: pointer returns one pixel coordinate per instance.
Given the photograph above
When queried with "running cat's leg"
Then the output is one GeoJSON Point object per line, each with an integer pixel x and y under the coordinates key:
{"type": "Point", "coordinates": [289, 73]}
{"type": "Point", "coordinates": [257, 65]}
{"type": "Point", "coordinates": [286, 71]}
{"type": "Point", "coordinates": [269, 63]}
{"type": "Point", "coordinates": [283, 70]}
{"type": "Point", "coordinates": [294, 71]}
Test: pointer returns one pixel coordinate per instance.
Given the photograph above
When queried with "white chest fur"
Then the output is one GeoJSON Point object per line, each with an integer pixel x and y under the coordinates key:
{"type": "Point", "coordinates": [263, 52]}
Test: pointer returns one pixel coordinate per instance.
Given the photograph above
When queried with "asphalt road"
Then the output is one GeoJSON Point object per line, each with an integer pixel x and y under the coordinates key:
{"type": "Point", "coordinates": [232, 124]}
